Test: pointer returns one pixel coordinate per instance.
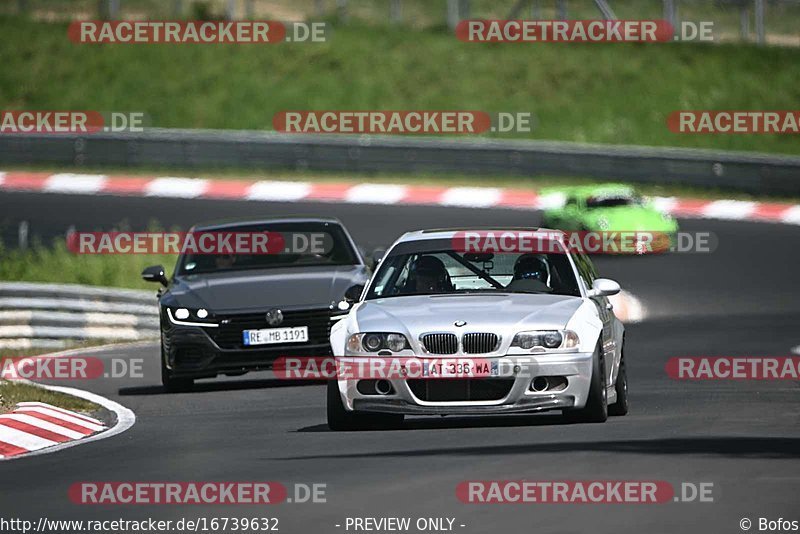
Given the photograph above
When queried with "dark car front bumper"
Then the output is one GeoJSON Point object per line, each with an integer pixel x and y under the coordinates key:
{"type": "Point", "coordinates": [203, 352]}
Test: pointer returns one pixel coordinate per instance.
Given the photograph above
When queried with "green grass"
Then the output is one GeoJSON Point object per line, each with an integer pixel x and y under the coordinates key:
{"type": "Point", "coordinates": [13, 392]}
{"type": "Point", "coordinates": [56, 264]}
{"type": "Point", "coordinates": [607, 93]}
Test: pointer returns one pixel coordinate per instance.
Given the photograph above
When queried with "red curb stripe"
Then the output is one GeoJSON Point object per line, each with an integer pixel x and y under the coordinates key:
{"type": "Point", "coordinates": [60, 422]}
{"type": "Point", "coordinates": [25, 181]}
{"type": "Point", "coordinates": [124, 185]}
{"type": "Point", "coordinates": [770, 211]}
{"type": "Point", "coordinates": [424, 195]}
{"type": "Point", "coordinates": [227, 189]}
{"type": "Point", "coordinates": [689, 207]}
{"type": "Point", "coordinates": [35, 430]}
{"type": "Point", "coordinates": [60, 410]}
{"type": "Point", "coordinates": [7, 449]}
{"type": "Point", "coordinates": [518, 198]}
{"type": "Point", "coordinates": [328, 191]}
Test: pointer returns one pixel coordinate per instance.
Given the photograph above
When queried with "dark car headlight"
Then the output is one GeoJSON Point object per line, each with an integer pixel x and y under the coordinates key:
{"type": "Point", "coordinates": [191, 317]}
{"type": "Point", "coordinates": [370, 342]}
{"type": "Point", "coordinates": [546, 339]}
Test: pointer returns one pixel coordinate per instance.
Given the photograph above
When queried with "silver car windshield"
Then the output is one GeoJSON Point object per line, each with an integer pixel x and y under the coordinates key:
{"type": "Point", "coordinates": [449, 272]}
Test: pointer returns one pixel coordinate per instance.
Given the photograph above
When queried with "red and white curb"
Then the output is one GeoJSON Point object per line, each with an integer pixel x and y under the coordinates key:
{"type": "Point", "coordinates": [34, 426]}
{"type": "Point", "coordinates": [78, 429]}
{"type": "Point", "coordinates": [366, 193]}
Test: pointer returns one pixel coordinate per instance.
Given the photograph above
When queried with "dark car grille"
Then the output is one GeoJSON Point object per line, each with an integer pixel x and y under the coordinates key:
{"type": "Point", "coordinates": [229, 335]}
{"type": "Point", "coordinates": [456, 389]}
{"type": "Point", "coordinates": [440, 343]}
{"type": "Point", "coordinates": [480, 343]}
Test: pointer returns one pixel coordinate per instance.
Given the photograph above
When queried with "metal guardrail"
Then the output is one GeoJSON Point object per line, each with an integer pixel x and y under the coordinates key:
{"type": "Point", "coordinates": [51, 315]}
{"type": "Point", "coordinates": [208, 149]}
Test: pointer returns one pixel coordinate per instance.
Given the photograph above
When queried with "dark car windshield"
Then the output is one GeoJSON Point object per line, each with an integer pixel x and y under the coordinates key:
{"type": "Point", "coordinates": [611, 201]}
{"type": "Point", "coordinates": [450, 272]}
{"type": "Point", "coordinates": [304, 244]}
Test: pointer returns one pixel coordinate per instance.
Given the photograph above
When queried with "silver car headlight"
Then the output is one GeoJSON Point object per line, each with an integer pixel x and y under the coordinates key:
{"type": "Point", "coordinates": [191, 317]}
{"type": "Point", "coordinates": [371, 342]}
{"type": "Point", "coordinates": [546, 340]}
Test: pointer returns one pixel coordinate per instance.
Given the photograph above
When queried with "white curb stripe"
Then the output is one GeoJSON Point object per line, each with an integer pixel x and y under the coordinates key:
{"type": "Point", "coordinates": [376, 194]}
{"type": "Point", "coordinates": [75, 183]}
{"type": "Point", "coordinates": [23, 440]}
{"type": "Point", "coordinates": [729, 209]}
{"type": "Point", "coordinates": [792, 215]}
{"type": "Point", "coordinates": [550, 201]}
{"type": "Point", "coordinates": [173, 187]}
{"type": "Point", "coordinates": [477, 197]}
{"type": "Point", "coordinates": [665, 204]}
{"type": "Point", "coordinates": [278, 191]}
{"type": "Point", "coordinates": [64, 417]}
{"type": "Point", "coordinates": [44, 425]}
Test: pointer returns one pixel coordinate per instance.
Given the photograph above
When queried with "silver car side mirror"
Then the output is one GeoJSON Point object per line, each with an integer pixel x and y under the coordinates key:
{"type": "Point", "coordinates": [604, 287]}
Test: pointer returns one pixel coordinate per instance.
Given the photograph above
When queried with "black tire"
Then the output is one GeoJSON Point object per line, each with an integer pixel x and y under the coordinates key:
{"type": "Point", "coordinates": [340, 419]}
{"type": "Point", "coordinates": [596, 409]}
{"type": "Point", "coordinates": [171, 383]}
{"type": "Point", "coordinates": [620, 407]}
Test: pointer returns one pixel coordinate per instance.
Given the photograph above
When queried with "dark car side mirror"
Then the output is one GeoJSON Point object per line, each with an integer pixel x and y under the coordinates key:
{"type": "Point", "coordinates": [353, 292]}
{"type": "Point", "coordinates": [155, 273]}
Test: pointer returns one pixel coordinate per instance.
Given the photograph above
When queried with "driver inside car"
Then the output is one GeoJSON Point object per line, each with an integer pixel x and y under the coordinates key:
{"type": "Point", "coordinates": [428, 275]}
{"type": "Point", "coordinates": [530, 275]}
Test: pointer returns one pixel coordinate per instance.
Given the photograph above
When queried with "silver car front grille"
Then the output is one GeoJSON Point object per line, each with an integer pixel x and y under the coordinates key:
{"type": "Point", "coordinates": [440, 343]}
{"type": "Point", "coordinates": [480, 342]}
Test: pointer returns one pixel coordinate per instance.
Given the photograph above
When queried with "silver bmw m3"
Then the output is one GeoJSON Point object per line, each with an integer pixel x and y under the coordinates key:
{"type": "Point", "coordinates": [492, 328]}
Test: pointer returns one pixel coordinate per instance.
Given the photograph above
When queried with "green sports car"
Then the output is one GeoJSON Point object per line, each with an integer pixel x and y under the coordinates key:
{"type": "Point", "coordinates": [610, 208]}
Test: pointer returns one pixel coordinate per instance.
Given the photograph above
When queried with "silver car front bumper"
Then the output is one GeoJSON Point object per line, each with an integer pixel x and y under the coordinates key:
{"type": "Point", "coordinates": [575, 367]}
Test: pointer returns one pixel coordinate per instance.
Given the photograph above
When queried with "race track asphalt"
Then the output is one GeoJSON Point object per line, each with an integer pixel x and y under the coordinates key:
{"type": "Point", "coordinates": [743, 437]}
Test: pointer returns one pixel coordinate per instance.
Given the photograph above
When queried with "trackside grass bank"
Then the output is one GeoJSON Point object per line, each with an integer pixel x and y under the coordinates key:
{"type": "Point", "coordinates": [13, 392]}
{"type": "Point", "coordinates": [617, 93]}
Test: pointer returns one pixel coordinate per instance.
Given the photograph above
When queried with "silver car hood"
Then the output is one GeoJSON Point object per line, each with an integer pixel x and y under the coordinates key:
{"type": "Point", "coordinates": [501, 313]}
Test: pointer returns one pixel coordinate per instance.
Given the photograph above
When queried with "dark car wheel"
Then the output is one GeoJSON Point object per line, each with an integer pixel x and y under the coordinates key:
{"type": "Point", "coordinates": [171, 383]}
{"type": "Point", "coordinates": [621, 386]}
{"type": "Point", "coordinates": [340, 419]}
{"type": "Point", "coordinates": [596, 409]}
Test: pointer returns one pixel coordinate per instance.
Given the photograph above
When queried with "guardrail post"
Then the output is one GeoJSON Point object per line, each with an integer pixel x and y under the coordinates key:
{"type": "Point", "coordinates": [22, 235]}
{"type": "Point", "coordinates": [744, 22]}
{"type": "Point", "coordinates": [760, 34]}
{"type": "Point", "coordinates": [536, 9]}
{"type": "Point", "coordinates": [671, 13]}
{"type": "Point", "coordinates": [341, 7]}
{"type": "Point", "coordinates": [561, 9]}
{"type": "Point", "coordinates": [230, 10]}
{"type": "Point", "coordinates": [395, 11]}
